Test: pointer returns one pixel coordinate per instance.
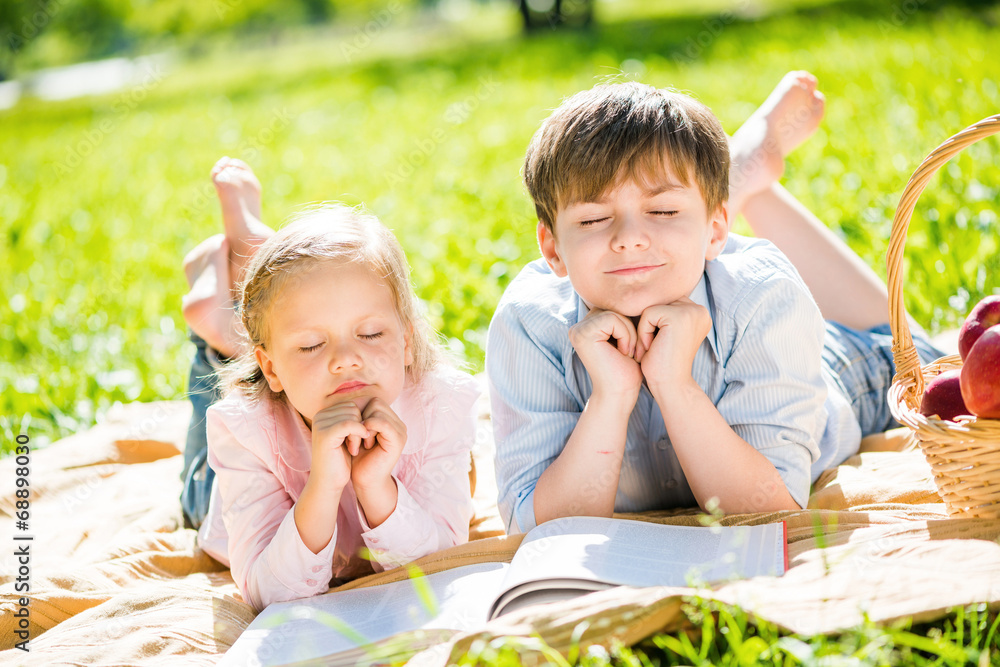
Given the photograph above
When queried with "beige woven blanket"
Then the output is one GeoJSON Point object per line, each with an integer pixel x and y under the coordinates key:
{"type": "Point", "coordinates": [116, 579]}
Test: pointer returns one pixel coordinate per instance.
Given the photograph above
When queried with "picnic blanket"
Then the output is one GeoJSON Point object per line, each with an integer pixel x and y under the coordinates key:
{"type": "Point", "coordinates": [115, 578]}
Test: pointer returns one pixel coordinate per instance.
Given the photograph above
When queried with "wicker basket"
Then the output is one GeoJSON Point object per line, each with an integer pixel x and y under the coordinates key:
{"type": "Point", "coordinates": [965, 454]}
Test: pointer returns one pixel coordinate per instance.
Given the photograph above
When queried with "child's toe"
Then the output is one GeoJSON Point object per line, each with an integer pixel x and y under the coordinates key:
{"type": "Point", "coordinates": [220, 165]}
{"type": "Point", "coordinates": [226, 175]}
{"type": "Point", "coordinates": [802, 79]}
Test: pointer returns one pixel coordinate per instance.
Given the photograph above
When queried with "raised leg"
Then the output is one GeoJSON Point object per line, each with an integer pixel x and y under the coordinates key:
{"type": "Point", "coordinates": [789, 116]}
{"type": "Point", "coordinates": [214, 268]}
{"type": "Point", "coordinates": [239, 196]}
{"type": "Point", "coordinates": [847, 290]}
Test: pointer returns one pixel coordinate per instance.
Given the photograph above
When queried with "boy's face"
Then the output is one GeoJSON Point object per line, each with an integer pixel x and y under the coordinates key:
{"type": "Point", "coordinates": [639, 245]}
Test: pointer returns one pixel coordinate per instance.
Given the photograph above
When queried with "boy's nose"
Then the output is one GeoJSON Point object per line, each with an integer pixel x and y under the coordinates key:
{"type": "Point", "coordinates": [629, 233]}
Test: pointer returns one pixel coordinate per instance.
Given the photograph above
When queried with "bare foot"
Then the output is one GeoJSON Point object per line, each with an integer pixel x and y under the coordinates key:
{"type": "Point", "coordinates": [207, 307]}
{"type": "Point", "coordinates": [239, 195]}
{"type": "Point", "coordinates": [789, 116]}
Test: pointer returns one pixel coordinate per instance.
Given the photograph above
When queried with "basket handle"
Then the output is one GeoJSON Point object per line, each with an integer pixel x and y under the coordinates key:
{"type": "Point", "coordinates": [908, 373]}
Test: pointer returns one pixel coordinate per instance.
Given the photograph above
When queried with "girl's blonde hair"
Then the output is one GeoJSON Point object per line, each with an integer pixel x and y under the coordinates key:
{"type": "Point", "coordinates": [328, 231]}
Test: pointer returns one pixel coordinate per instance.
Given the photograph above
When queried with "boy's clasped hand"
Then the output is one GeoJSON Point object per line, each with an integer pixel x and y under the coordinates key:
{"type": "Point", "coordinates": [660, 348]}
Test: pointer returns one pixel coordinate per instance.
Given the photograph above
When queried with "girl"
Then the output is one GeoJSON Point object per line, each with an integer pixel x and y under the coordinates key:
{"type": "Point", "coordinates": [343, 431]}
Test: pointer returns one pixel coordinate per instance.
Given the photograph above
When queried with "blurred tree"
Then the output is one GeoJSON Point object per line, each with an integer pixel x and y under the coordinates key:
{"type": "Point", "coordinates": [38, 33]}
{"type": "Point", "coordinates": [556, 13]}
{"type": "Point", "coordinates": [20, 22]}
{"type": "Point", "coordinates": [318, 11]}
{"type": "Point", "coordinates": [95, 27]}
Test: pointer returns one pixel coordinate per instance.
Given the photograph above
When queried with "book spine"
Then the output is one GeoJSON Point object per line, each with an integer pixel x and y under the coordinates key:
{"type": "Point", "coordinates": [784, 541]}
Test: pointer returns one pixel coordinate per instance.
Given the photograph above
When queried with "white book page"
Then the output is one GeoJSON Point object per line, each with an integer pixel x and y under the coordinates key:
{"type": "Point", "coordinates": [303, 632]}
{"type": "Point", "coordinates": [636, 553]}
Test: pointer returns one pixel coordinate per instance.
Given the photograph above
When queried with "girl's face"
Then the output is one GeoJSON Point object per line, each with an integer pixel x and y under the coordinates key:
{"type": "Point", "coordinates": [335, 336]}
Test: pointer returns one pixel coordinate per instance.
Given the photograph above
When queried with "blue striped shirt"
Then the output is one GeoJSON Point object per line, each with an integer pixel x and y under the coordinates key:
{"type": "Point", "coordinates": [761, 364]}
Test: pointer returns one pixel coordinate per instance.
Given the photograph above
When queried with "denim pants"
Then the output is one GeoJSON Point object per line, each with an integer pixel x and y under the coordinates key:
{"type": "Point", "coordinates": [863, 365]}
{"type": "Point", "coordinates": [203, 391]}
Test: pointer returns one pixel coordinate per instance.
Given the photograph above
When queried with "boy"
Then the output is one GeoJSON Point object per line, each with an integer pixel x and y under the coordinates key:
{"type": "Point", "coordinates": [653, 360]}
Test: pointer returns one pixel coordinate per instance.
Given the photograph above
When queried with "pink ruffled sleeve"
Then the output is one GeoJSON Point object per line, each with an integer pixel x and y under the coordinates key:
{"type": "Point", "coordinates": [269, 561]}
{"type": "Point", "coordinates": [434, 504]}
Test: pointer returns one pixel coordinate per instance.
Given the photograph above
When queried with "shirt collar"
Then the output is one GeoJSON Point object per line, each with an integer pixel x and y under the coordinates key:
{"type": "Point", "coordinates": [699, 295]}
{"type": "Point", "coordinates": [581, 307]}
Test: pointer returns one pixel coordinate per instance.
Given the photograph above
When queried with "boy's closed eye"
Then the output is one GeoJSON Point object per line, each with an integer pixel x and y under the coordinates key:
{"type": "Point", "coordinates": [670, 213]}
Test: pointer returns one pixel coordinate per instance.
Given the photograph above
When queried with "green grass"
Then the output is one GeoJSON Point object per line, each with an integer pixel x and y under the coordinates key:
{"type": "Point", "coordinates": [719, 635]}
{"type": "Point", "coordinates": [713, 634]}
{"type": "Point", "coordinates": [101, 197]}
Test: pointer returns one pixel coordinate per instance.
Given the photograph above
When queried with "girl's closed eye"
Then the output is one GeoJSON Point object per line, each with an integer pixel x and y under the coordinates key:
{"type": "Point", "coordinates": [311, 348]}
{"type": "Point", "coordinates": [372, 336]}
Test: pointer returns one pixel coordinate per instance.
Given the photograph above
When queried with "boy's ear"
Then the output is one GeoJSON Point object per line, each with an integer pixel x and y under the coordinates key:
{"type": "Point", "coordinates": [267, 367]}
{"type": "Point", "coordinates": [719, 232]}
{"type": "Point", "coordinates": [547, 244]}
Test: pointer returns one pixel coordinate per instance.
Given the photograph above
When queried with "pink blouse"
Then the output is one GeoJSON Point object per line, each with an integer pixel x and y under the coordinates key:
{"type": "Point", "coordinates": [261, 454]}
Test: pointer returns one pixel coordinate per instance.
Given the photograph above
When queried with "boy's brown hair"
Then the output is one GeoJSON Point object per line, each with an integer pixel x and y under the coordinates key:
{"type": "Point", "coordinates": [613, 131]}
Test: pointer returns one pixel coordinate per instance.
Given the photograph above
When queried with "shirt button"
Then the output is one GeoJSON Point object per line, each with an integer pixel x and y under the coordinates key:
{"type": "Point", "coordinates": [671, 483]}
{"type": "Point", "coordinates": [663, 443]}
{"type": "Point", "coordinates": [374, 540]}
{"type": "Point", "coordinates": [310, 582]}
{"type": "Point", "coordinates": [317, 568]}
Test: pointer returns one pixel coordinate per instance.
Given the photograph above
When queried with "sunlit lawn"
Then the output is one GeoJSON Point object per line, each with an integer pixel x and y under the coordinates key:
{"type": "Point", "coordinates": [101, 197]}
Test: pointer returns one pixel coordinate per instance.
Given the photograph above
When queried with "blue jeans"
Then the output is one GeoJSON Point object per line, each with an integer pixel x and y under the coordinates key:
{"type": "Point", "coordinates": [203, 391]}
{"type": "Point", "coordinates": [862, 360]}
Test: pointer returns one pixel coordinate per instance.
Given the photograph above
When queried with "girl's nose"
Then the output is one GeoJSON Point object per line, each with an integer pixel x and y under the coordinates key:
{"type": "Point", "coordinates": [345, 357]}
{"type": "Point", "coordinates": [629, 233]}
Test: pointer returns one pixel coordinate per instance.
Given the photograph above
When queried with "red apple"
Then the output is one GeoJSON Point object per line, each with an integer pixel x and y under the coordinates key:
{"type": "Point", "coordinates": [985, 315]}
{"type": "Point", "coordinates": [980, 377]}
{"type": "Point", "coordinates": [943, 397]}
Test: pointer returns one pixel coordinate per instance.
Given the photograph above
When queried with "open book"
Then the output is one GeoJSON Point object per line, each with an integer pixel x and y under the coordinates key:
{"type": "Point", "coordinates": [557, 560]}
